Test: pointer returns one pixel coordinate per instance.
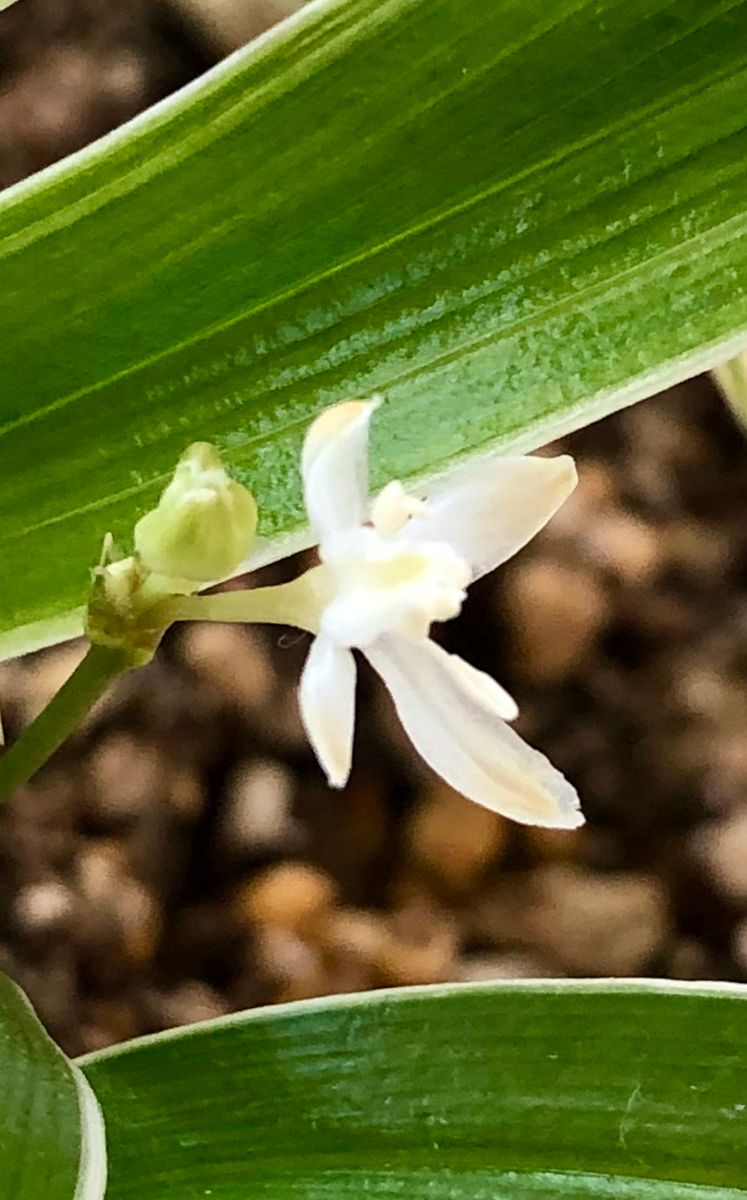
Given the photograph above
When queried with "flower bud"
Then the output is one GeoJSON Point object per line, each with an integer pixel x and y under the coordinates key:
{"type": "Point", "coordinates": [204, 523]}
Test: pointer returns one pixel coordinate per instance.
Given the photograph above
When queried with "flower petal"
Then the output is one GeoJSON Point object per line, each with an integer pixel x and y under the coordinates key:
{"type": "Point", "coordinates": [327, 701]}
{"type": "Point", "coordinates": [489, 509]}
{"type": "Point", "coordinates": [485, 690]}
{"type": "Point", "coordinates": [461, 736]}
{"type": "Point", "coordinates": [334, 465]}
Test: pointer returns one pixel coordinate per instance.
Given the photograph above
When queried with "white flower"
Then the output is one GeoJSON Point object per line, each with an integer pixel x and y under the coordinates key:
{"type": "Point", "coordinates": [388, 571]}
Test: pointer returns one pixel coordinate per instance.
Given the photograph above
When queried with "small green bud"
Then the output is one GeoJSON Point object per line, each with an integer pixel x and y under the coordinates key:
{"type": "Point", "coordinates": [204, 524]}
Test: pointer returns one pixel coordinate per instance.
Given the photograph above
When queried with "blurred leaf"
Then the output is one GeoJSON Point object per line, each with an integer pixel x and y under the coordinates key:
{"type": "Point", "coordinates": [510, 218]}
{"type": "Point", "coordinates": [51, 1133]}
{"type": "Point", "coordinates": [454, 1093]}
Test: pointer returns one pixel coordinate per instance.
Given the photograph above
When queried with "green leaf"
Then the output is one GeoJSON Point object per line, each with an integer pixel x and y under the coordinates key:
{"type": "Point", "coordinates": [51, 1131]}
{"type": "Point", "coordinates": [508, 217]}
{"type": "Point", "coordinates": [456, 1093]}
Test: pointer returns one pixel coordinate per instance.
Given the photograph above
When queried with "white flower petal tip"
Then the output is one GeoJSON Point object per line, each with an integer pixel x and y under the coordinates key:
{"type": "Point", "coordinates": [483, 687]}
{"type": "Point", "coordinates": [341, 426]}
{"type": "Point", "coordinates": [336, 422]}
{"type": "Point", "coordinates": [334, 465]}
{"type": "Point", "coordinates": [327, 702]}
{"type": "Point", "coordinates": [453, 720]}
{"type": "Point", "coordinates": [488, 509]}
{"type": "Point", "coordinates": [561, 476]}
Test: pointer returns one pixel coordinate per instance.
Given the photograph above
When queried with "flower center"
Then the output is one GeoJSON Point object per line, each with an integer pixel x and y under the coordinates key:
{"type": "Point", "coordinates": [389, 584]}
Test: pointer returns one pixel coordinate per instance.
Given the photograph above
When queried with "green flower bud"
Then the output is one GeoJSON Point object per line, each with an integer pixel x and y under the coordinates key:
{"type": "Point", "coordinates": [204, 524]}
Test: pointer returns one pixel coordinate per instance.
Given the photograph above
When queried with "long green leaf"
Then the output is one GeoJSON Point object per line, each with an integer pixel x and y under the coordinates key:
{"type": "Point", "coordinates": [456, 1093]}
{"type": "Point", "coordinates": [51, 1132]}
{"type": "Point", "coordinates": [509, 217]}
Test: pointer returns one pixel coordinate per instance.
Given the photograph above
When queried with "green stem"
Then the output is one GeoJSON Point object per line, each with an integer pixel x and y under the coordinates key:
{"type": "Point", "coordinates": [298, 603]}
{"type": "Point", "coordinates": [64, 712]}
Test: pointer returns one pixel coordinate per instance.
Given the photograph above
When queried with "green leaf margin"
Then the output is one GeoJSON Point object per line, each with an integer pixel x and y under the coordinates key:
{"type": "Point", "coordinates": [52, 1140]}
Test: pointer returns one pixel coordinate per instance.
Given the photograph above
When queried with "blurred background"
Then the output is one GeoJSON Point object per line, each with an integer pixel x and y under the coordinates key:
{"type": "Point", "coordinates": [181, 857]}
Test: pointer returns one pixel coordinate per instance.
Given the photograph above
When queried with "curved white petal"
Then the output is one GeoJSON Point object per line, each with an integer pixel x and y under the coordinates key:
{"type": "Point", "coordinates": [334, 466]}
{"type": "Point", "coordinates": [327, 701]}
{"type": "Point", "coordinates": [489, 509]}
{"type": "Point", "coordinates": [485, 690]}
{"type": "Point", "coordinates": [462, 737]}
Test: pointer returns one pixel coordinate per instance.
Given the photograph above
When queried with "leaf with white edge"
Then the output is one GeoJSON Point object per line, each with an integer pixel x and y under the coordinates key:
{"type": "Point", "coordinates": [632, 1090]}
{"type": "Point", "coordinates": [509, 218]}
{"type": "Point", "coordinates": [52, 1142]}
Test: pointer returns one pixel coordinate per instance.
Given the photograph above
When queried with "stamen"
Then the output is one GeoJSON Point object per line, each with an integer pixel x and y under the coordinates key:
{"type": "Point", "coordinates": [393, 507]}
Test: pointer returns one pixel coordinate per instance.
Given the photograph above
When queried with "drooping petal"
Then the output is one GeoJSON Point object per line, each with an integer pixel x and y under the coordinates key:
{"type": "Point", "coordinates": [489, 509]}
{"type": "Point", "coordinates": [327, 702]}
{"type": "Point", "coordinates": [334, 466]}
{"type": "Point", "coordinates": [459, 732]}
{"type": "Point", "coordinates": [486, 690]}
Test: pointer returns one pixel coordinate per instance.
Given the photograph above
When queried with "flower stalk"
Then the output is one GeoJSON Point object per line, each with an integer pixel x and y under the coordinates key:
{"type": "Point", "coordinates": [64, 713]}
{"type": "Point", "coordinates": [299, 603]}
